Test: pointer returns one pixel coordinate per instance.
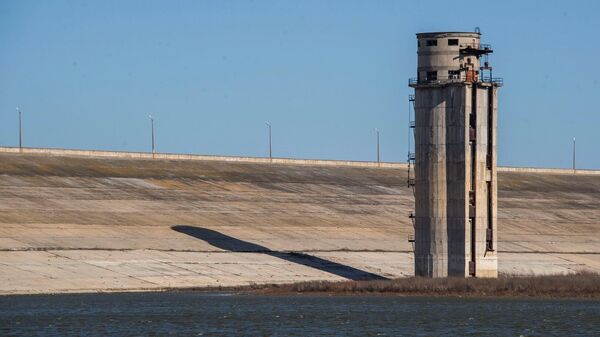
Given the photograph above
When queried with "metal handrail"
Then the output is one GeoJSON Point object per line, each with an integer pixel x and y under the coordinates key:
{"type": "Point", "coordinates": [481, 46]}
{"type": "Point", "coordinates": [413, 80]}
{"type": "Point", "coordinates": [499, 81]}
{"type": "Point", "coordinates": [456, 79]}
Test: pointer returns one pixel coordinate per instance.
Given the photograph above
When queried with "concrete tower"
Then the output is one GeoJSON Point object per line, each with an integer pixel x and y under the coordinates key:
{"type": "Point", "coordinates": [455, 157]}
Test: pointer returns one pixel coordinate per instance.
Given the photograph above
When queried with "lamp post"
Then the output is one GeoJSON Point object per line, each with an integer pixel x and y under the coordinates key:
{"type": "Point", "coordinates": [377, 132]}
{"type": "Point", "coordinates": [574, 170]}
{"type": "Point", "coordinates": [20, 131]}
{"type": "Point", "coordinates": [270, 147]}
{"type": "Point", "coordinates": [152, 126]}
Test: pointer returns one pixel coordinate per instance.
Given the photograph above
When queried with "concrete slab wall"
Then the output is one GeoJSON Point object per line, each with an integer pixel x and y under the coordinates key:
{"type": "Point", "coordinates": [450, 170]}
{"type": "Point", "coordinates": [486, 260]}
{"type": "Point", "coordinates": [439, 168]}
{"type": "Point", "coordinates": [76, 223]}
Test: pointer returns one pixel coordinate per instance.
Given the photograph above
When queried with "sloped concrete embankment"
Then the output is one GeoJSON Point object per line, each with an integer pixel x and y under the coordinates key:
{"type": "Point", "coordinates": [81, 222]}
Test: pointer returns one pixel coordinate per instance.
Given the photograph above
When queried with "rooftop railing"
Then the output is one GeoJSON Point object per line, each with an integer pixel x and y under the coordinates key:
{"type": "Point", "coordinates": [499, 81]}
{"type": "Point", "coordinates": [480, 46]}
{"type": "Point", "coordinates": [455, 79]}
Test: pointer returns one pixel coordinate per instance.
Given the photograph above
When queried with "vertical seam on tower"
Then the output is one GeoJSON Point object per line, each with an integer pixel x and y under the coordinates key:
{"type": "Point", "coordinates": [473, 200]}
{"type": "Point", "coordinates": [490, 165]}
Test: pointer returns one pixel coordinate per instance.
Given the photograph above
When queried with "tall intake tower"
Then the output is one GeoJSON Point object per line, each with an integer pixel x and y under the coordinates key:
{"type": "Point", "coordinates": [455, 184]}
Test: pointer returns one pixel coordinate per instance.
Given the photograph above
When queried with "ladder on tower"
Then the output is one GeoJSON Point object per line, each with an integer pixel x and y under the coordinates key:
{"type": "Point", "coordinates": [411, 161]}
{"type": "Point", "coordinates": [411, 154]}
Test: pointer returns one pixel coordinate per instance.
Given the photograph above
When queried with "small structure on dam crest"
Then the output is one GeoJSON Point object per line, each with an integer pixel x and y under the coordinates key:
{"type": "Point", "coordinates": [455, 183]}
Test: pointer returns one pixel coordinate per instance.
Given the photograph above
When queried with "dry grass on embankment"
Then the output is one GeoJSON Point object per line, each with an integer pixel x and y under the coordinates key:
{"type": "Point", "coordinates": [580, 285]}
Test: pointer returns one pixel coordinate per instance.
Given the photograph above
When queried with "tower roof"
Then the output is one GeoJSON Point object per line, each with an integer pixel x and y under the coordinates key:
{"type": "Point", "coordinates": [448, 34]}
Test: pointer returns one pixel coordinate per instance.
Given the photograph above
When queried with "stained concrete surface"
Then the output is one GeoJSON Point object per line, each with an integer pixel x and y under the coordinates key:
{"type": "Point", "coordinates": [103, 224]}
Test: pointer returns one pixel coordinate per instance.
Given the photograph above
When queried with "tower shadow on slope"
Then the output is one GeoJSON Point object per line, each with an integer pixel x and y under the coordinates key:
{"type": "Point", "coordinates": [232, 244]}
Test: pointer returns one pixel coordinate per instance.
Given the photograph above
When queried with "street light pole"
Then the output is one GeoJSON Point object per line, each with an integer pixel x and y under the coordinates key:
{"type": "Point", "coordinates": [20, 130]}
{"type": "Point", "coordinates": [270, 147]}
{"type": "Point", "coordinates": [574, 170]}
{"type": "Point", "coordinates": [377, 131]}
{"type": "Point", "coordinates": [152, 126]}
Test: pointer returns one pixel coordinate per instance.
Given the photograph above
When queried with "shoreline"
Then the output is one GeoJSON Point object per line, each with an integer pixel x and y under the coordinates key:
{"type": "Point", "coordinates": [575, 286]}
{"type": "Point", "coordinates": [571, 286]}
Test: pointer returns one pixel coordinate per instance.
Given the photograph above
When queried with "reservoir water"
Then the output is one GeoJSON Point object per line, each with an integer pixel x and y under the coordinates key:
{"type": "Point", "coordinates": [225, 314]}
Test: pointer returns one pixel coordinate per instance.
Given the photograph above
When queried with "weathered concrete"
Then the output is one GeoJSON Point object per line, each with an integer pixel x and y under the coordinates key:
{"type": "Point", "coordinates": [441, 57]}
{"type": "Point", "coordinates": [455, 160]}
{"type": "Point", "coordinates": [75, 223]}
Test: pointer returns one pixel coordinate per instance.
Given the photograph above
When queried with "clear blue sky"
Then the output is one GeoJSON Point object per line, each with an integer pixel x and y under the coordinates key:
{"type": "Point", "coordinates": [325, 73]}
